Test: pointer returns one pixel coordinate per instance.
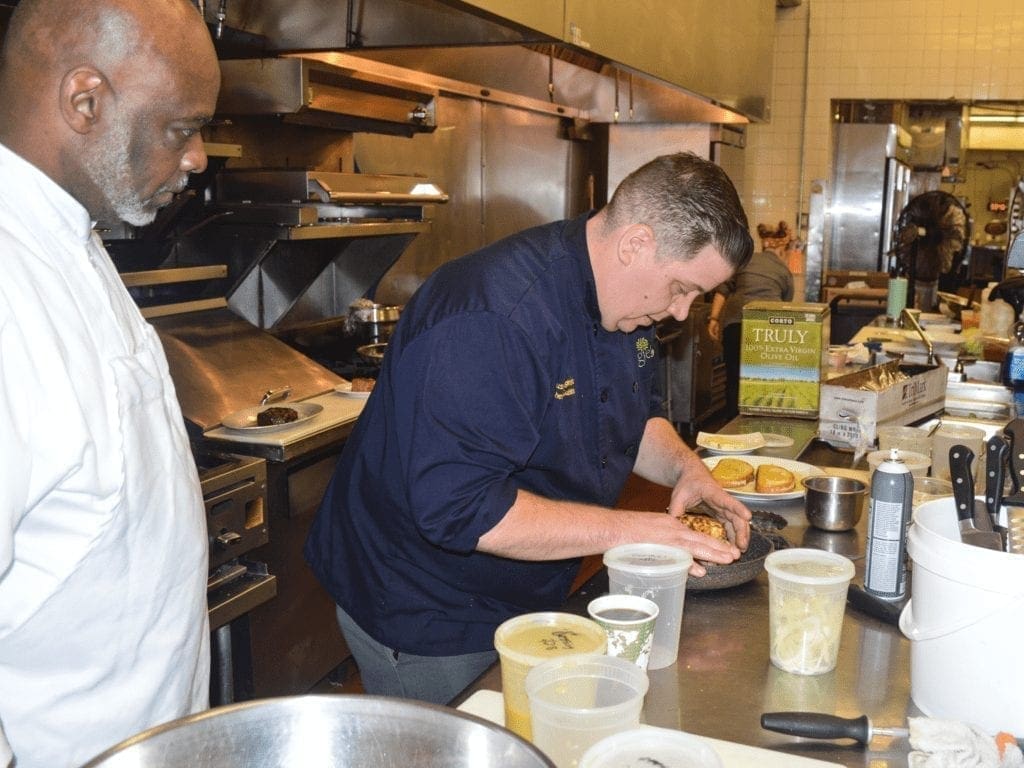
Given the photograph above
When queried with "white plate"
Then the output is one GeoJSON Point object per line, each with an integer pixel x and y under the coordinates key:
{"type": "Point", "coordinates": [345, 388]}
{"type": "Point", "coordinates": [730, 445]}
{"type": "Point", "coordinates": [772, 440]}
{"type": "Point", "coordinates": [245, 420]}
{"type": "Point", "coordinates": [747, 492]}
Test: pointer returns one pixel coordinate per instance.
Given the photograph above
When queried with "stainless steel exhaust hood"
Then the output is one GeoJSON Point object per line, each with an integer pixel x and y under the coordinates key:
{"type": "Point", "coordinates": [310, 92]}
{"type": "Point", "coordinates": [304, 244]}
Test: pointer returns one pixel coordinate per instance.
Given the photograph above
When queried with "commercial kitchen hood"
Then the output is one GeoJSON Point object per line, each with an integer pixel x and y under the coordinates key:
{"type": "Point", "coordinates": [310, 92]}
{"type": "Point", "coordinates": [304, 244]}
{"type": "Point", "coordinates": [444, 38]}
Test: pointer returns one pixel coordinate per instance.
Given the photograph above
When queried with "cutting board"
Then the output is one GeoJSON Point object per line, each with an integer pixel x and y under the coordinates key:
{"type": "Point", "coordinates": [489, 706]}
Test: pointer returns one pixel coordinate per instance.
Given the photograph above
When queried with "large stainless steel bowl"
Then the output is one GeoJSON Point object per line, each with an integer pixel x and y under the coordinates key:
{"type": "Point", "coordinates": [332, 731]}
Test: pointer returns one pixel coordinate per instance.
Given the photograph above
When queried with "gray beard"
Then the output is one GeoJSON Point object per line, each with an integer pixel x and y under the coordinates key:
{"type": "Point", "coordinates": [110, 169]}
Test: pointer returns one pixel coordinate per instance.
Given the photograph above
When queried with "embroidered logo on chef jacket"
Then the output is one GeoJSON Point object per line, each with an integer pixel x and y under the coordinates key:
{"type": "Point", "coordinates": [644, 351]}
{"type": "Point", "coordinates": [565, 389]}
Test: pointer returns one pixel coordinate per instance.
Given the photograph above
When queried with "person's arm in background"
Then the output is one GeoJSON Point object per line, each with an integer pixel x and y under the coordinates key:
{"type": "Point", "coordinates": [714, 319]}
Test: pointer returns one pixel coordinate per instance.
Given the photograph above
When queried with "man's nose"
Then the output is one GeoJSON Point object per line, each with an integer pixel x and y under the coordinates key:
{"type": "Point", "coordinates": [194, 159]}
{"type": "Point", "coordinates": [680, 306]}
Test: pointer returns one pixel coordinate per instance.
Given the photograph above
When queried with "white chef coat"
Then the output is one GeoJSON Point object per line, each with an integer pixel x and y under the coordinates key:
{"type": "Point", "coordinates": [103, 554]}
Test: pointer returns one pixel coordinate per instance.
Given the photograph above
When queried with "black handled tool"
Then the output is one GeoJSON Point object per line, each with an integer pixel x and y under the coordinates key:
{"type": "Point", "coordinates": [960, 460]}
{"type": "Point", "coordinates": [997, 453]}
{"type": "Point", "coordinates": [815, 725]}
{"type": "Point", "coordinates": [1014, 432]}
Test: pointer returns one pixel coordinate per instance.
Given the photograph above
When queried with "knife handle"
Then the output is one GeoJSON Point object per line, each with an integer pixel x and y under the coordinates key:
{"type": "Point", "coordinates": [995, 471]}
{"type": "Point", "coordinates": [960, 459]}
{"type": "Point", "coordinates": [1015, 432]}
{"type": "Point", "coordinates": [815, 725]}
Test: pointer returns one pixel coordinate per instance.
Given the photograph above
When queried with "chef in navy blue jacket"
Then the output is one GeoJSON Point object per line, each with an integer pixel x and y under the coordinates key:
{"type": "Point", "coordinates": [516, 397]}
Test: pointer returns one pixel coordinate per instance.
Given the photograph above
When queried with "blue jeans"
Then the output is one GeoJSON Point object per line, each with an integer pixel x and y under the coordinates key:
{"type": "Point", "coordinates": [387, 672]}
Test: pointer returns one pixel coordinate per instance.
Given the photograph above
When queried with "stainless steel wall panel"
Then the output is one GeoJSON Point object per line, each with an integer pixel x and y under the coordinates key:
{"type": "Point", "coordinates": [452, 154]}
{"type": "Point", "coordinates": [632, 145]}
{"type": "Point", "coordinates": [527, 171]}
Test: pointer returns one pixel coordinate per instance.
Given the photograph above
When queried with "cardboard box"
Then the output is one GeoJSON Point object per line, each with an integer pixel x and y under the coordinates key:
{"type": "Point", "coordinates": [855, 405]}
{"type": "Point", "coordinates": [783, 358]}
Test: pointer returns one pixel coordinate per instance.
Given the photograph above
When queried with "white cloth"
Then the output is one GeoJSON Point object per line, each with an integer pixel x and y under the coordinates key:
{"type": "Point", "coordinates": [952, 744]}
{"type": "Point", "coordinates": [103, 626]}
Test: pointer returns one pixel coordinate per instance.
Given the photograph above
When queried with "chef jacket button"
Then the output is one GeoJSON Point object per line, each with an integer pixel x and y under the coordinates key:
{"type": "Point", "coordinates": [604, 395]}
{"type": "Point", "coordinates": [594, 328]}
{"type": "Point", "coordinates": [636, 386]}
{"type": "Point", "coordinates": [604, 462]}
{"type": "Point", "coordinates": [631, 450]}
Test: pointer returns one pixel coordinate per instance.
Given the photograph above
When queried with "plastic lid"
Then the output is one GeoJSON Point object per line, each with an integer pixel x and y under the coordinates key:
{"type": "Point", "coordinates": [648, 559]}
{"type": "Point", "coordinates": [533, 637]}
{"type": "Point", "coordinates": [648, 746]}
{"type": "Point", "coordinates": [809, 566]}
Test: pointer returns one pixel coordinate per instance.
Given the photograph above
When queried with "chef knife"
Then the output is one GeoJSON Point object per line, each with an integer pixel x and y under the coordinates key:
{"type": "Point", "coordinates": [960, 460]}
{"type": "Point", "coordinates": [1014, 503]}
{"type": "Point", "coordinates": [997, 452]}
{"type": "Point", "coordinates": [815, 725]}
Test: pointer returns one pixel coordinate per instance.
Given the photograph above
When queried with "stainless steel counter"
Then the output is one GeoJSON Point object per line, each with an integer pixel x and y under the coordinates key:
{"type": "Point", "coordinates": [723, 679]}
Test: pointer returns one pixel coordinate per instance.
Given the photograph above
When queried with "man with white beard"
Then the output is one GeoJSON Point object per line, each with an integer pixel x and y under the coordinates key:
{"type": "Point", "coordinates": [103, 629]}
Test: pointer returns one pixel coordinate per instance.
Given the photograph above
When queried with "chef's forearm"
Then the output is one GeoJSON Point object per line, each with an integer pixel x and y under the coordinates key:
{"type": "Point", "coordinates": [663, 457]}
{"type": "Point", "coordinates": [536, 528]}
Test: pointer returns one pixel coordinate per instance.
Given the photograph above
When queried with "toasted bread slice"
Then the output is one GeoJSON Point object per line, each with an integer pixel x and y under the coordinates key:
{"type": "Point", "coordinates": [772, 478]}
{"type": "Point", "coordinates": [732, 473]}
{"type": "Point", "coordinates": [705, 524]}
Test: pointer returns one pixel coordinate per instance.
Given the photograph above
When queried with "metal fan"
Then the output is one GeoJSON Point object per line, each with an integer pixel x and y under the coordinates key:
{"type": "Point", "coordinates": [932, 235]}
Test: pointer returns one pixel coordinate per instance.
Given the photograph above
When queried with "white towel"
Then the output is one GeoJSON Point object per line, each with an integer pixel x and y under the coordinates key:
{"type": "Point", "coordinates": [952, 744]}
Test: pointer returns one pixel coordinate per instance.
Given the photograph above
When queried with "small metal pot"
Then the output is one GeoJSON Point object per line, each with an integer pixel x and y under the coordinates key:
{"type": "Point", "coordinates": [372, 323]}
{"type": "Point", "coordinates": [834, 503]}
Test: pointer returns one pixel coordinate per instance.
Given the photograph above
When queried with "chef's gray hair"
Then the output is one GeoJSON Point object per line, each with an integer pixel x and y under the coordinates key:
{"type": "Point", "coordinates": [689, 203]}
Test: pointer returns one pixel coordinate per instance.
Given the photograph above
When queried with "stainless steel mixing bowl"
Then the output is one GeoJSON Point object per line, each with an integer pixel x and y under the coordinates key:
{"type": "Point", "coordinates": [332, 731]}
{"type": "Point", "coordinates": [834, 503]}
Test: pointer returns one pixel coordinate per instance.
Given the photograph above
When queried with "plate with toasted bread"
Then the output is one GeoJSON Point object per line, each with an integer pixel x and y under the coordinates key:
{"type": "Point", "coordinates": [727, 445]}
{"type": "Point", "coordinates": [760, 478]}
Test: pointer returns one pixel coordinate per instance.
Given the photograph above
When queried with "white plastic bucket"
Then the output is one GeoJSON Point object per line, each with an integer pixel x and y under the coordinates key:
{"type": "Point", "coordinates": [966, 624]}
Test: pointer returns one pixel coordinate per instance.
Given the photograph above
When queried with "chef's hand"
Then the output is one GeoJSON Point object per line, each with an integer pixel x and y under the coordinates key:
{"type": "Point", "coordinates": [698, 486]}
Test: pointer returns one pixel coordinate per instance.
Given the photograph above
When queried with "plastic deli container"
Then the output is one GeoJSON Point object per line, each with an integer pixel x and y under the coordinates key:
{"type": "Point", "coordinates": [657, 572]}
{"type": "Point", "coordinates": [648, 747]}
{"type": "Point", "coordinates": [575, 701]}
{"type": "Point", "coordinates": [525, 641]}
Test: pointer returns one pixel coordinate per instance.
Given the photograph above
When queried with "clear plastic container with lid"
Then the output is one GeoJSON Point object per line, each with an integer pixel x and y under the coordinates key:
{"type": "Point", "coordinates": [646, 747]}
{"type": "Point", "coordinates": [657, 572]}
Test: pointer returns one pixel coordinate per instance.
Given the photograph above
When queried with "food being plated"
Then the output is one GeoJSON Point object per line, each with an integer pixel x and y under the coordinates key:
{"type": "Point", "coordinates": [276, 415]}
{"type": "Point", "coordinates": [767, 478]}
{"type": "Point", "coordinates": [733, 473]}
{"type": "Point", "coordinates": [705, 524]}
{"type": "Point", "coordinates": [771, 478]}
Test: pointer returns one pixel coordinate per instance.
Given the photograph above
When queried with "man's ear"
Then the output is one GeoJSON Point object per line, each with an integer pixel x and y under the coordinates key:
{"type": "Point", "coordinates": [636, 240]}
{"type": "Point", "coordinates": [81, 92]}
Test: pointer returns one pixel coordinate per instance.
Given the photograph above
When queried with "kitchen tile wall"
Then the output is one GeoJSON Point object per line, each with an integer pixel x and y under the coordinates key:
{"type": "Point", "coordinates": [870, 49]}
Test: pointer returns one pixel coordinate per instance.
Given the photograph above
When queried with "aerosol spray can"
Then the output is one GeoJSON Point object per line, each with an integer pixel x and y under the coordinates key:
{"type": "Point", "coordinates": [889, 510]}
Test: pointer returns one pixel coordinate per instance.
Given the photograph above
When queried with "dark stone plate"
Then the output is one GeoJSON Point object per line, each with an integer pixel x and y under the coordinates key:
{"type": "Point", "coordinates": [737, 572]}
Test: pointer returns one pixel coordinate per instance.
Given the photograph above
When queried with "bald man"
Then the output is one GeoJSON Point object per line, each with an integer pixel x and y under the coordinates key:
{"type": "Point", "coordinates": [103, 628]}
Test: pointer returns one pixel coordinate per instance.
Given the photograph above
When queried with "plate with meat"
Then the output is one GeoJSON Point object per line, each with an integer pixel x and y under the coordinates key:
{"type": "Point", "coordinates": [359, 387]}
{"type": "Point", "coordinates": [760, 478]}
{"type": "Point", "coordinates": [271, 418]}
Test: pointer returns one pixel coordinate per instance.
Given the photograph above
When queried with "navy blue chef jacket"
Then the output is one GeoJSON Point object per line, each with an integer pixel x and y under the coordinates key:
{"type": "Point", "coordinates": [498, 377]}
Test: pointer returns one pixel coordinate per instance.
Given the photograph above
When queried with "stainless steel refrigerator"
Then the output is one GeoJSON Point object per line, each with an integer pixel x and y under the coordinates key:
{"type": "Point", "coordinates": [870, 184]}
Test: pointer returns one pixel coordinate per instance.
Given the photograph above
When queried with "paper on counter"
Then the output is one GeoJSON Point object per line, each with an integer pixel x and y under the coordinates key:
{"type": "Point", "coordinates": [490, 706]}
